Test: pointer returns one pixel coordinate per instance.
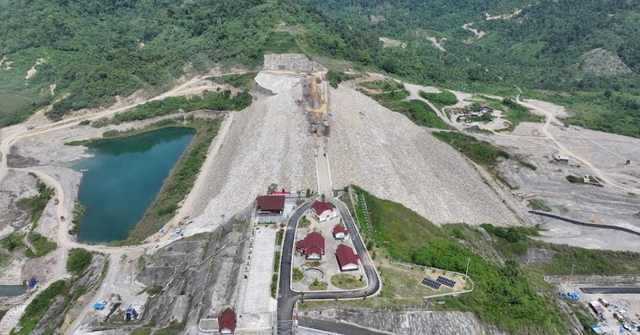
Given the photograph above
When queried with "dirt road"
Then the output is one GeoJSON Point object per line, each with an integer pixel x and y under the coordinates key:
{"type": "Point", "coordinates": [63, 239]}
{"type": "Point", "coordinates": [187, 207]}
{"type": "Point", "coordinates": [550, 118]}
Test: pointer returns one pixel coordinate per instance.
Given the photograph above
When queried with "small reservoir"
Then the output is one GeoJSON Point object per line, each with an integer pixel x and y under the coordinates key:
{"type": "Point", "coordinates": [123, 177]}
{"type": "Point", "coordinates": [12, 290]}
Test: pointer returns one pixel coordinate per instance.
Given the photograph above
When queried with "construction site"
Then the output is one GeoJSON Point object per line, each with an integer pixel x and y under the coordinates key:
{"type": "Point", "coordinates": [307, 138]}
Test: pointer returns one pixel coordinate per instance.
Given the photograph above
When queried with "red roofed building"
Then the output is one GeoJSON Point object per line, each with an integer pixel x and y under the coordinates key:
{"type": "Point", "coordinates": [311, 245]}
{"type": "Point", "coordinates": [270, 208]}
{"type": "Point", "coordinates": [340, 232]}
{"type": "Point", "coordinates": [227, 321]}
{"type": "Point", "coordinates": [323, 211]}
{"type": "Point", "coordinates": [347, 259]}
{"type": "Point", "coordinates": [270, 204]}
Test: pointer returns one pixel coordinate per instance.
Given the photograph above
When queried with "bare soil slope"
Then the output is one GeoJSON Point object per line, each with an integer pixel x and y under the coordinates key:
{"type": "Point", "coordinates": [390, 156]}
{"type": "Point", "coordinates": [267, 143]}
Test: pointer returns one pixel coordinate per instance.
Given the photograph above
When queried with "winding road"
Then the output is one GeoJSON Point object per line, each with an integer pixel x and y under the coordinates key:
{"type": "Point", "coordinates": [564, 150]}
{"type": "Point", "coordinates": [63, 239]}
{"type": "Point", "coordinates": [287, 298]}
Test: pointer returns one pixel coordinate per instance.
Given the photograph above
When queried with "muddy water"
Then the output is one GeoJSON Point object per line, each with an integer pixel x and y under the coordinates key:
{"type": "Point", "coordinates": [123, 177]}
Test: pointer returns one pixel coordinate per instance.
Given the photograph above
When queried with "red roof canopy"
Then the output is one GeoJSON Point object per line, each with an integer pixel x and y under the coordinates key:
{"type": "Point", "coordinates": [340, 229]}
{"type": "Point", "coordinates": [227, 319]}
{"type": "Point", "coordinates": [320, 207]}
{"type": "Point", "coordinates": [271, 203]}
{"type": "Point", "coordinates": [310, 243]}
{"type": "Point", "coordinates": [345, 255]}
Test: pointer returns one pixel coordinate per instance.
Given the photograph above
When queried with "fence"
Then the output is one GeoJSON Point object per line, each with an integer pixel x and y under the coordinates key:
{"type": "Point", "coordinates": [363, 203]}
{"type": "Point", "coordinates": [630, 278]}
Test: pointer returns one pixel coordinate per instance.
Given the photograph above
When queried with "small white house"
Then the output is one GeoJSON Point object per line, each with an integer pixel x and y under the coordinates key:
{"type": "Point", "coordinates": [347, 259]}
{"type": "Point", "coordinates": [340, 232]}
{"type": "Point", "coordinates": [323, 211]}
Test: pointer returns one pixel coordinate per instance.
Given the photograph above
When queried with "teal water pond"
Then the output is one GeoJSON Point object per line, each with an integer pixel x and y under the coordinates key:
{"type": "Point", "coordinates": [12, 290]}
{"type": "Point", "coordinates": [123, 177]}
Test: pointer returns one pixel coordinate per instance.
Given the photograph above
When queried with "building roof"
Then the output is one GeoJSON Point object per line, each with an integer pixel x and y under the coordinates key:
{"type": "Point", "coordinates": [271, 202]}
{"type": "Point", "coordinates": [313, 242]}
{"type": "Point", "coordinates": [345, 255]}
{"type": "Point", "coordinates": [227, 320]}
{"type": "Point", "coordinates": [340, 229]}
{"type": "Point", "coordinates": [320, 207]}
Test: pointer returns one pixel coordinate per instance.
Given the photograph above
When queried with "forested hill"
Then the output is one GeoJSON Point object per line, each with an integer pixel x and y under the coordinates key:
{"type": "Point", "coordinates": [93, 50]}
{"type": "Point", "coordinates": [537, 44]}
{"type": "Point", "coordinates": [82, 53]}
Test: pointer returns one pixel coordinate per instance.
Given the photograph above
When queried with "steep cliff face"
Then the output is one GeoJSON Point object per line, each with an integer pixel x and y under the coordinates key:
{"type": "Point", "coordinates": [193, 278]}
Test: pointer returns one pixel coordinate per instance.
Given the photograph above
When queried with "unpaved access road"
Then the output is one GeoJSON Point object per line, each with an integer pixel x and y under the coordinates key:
{"type": "Point", "coordinates": [550, 118]}
{"type": "Point", "coordinates": [63, 239]}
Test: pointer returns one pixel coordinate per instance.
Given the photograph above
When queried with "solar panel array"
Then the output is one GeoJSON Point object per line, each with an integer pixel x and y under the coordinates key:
{"type": "Point", "coordinates": [445, 281]}
{"type": "Point", "coordinates": [430, 283]}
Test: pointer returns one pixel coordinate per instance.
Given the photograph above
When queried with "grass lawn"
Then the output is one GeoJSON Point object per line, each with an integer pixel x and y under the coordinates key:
{"type": "Point", "coordinates": [347, 282]}
{"type": "Point", "coordinates": [298, 275]}
{"type": "Point", "coordinates": [318, 285]}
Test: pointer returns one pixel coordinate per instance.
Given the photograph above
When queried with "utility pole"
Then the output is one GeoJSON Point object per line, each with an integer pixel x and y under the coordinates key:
{"type": "Point", "coordinates": [466, 273]}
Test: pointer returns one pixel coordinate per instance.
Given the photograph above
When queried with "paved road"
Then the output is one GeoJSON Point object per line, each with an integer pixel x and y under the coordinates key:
{"type": "Point", "coordinates": [611, 290]}
{"type": "Point", "coordinates": [585, 224]}
{"type": "Point", "coordinates": [337, 327]}
{"type": "Point", "coordinates": [287, 298]}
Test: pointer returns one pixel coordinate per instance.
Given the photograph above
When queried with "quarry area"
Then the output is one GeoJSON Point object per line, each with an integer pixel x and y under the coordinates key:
{"type": "Point", "coordinates": [304, 137]}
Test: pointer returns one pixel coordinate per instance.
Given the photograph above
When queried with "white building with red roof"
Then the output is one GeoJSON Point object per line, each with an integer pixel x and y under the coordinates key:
{"type": "Point", "coordinates": [340, 232]}
{"type": "Point", "coordinates": [312, 246]}
{"type": "Point", "coordinates": [323, 211]}
{"type": "Point", "coordinates": [347, 259]}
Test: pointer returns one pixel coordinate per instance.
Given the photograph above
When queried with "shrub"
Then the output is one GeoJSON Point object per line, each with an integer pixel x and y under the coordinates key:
{"type": "Point", "coordinates": [78, 261]}
{"type": "Point", "coordinates": [41, 245]}
{"type": "Point", "coordinates": [13, 242]}
{"type": "Point", "coordinates": [39, 306]}
{"type": "Point", "coordinates": [444, 98]}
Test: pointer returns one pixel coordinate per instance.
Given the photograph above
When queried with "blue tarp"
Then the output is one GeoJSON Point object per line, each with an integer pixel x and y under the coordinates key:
{"type": "Point", "coordinates": [32, 282]}
{"type": "Point", "coordinates": [130, 314]}
{"type": "Point", "coordinates": [98, 305]}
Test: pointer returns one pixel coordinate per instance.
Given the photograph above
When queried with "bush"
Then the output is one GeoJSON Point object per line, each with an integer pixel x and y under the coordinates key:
{"type": "Point", "coordinates": [297, 275]}
{"type": "Point", "coordinates": [41, 245]}
{"type": "Point", "coordinates": [444, 98]}
{"type": "Point", "coordinates": [244, 80]}
{"type": "Point", "coordinates": [13, 242]}
{"type": "Point", "coordinates": [35, 205]}
{"type": "Point", "coordinates": [279, 236]}
{"type": "Point", "coordinates": [480, 152]}
{"type": "Point", "coordinates": [217, 101]}
{"type": "Point", "coordinates": [335, 77]}
{"type": "Point", "coordinates": [39, 306]}
{"type": "Point", "coordinates": [78, 261]}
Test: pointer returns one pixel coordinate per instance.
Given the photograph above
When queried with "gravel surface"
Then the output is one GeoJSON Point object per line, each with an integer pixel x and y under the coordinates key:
{"type": "Point", "coordinates": [603, 205]}
{"type": "Point", "coordinates": [388, 155]}
{"type": "Point", "coordinates": [267, 143]}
